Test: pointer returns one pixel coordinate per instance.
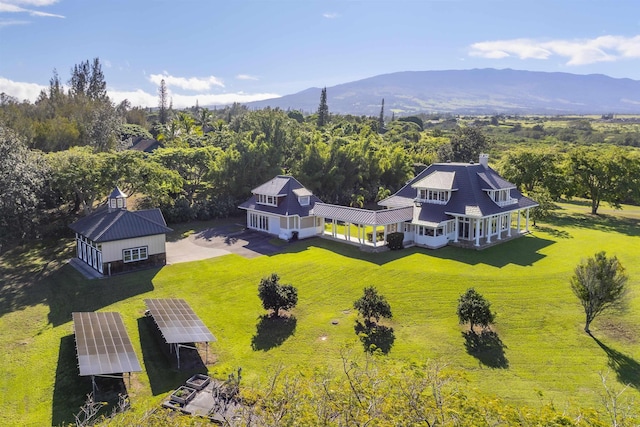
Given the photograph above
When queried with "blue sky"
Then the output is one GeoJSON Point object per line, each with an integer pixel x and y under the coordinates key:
{"type": "Point", "coordinates": [217, 52]}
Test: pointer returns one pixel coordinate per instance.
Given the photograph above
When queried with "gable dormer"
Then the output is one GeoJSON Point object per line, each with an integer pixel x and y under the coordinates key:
{"type": "Point", "coordinates": [117, 200]}
{"type": "Point", "coordinates": [435, 188]}
{"type": "Point", "coordinates": [270, 193]}
{"type": "Point", "coordinates": [303, 195]}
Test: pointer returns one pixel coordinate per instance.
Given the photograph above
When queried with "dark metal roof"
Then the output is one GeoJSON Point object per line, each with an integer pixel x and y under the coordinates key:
{"type": "Point", "coordinates": [106, 225]}
{"type": "Point", "coordinates": [102, 344]}
{"type": "Point", "coordinates": [470, 180]}
{"type": "Point", "coordinates": [288, 204]}
{"type": "Point", "coordinates": [177, 321]}
{"type": "Point", "coordinates": [146, 145]}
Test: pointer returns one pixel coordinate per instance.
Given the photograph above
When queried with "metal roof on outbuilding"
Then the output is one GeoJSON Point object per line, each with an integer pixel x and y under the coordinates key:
{"type": "Point", "coordinates": [105, 225]}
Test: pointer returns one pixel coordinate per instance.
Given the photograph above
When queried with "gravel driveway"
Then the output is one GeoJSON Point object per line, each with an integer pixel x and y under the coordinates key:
{"type": "Point", "coordinates": [218, 241]}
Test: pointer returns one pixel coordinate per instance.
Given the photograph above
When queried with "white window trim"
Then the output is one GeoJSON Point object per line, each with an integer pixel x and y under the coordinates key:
{"type": "Point", "coordinates": [135, 254]}
{"type": "Point", "coordinates": [263, 199]}
{"type": "Point", "coordinates": [434, 196]}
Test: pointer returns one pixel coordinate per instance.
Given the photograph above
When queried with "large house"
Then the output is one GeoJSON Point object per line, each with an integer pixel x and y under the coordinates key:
{"type": "Point", "coordinates": [467, 204]}
{"type": "Point", "coordinates": [113, 239]}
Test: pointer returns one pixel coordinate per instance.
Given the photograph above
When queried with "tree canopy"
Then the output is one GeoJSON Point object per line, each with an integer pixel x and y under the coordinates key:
{"type": "Point", "coordinates": [372, 305]}
{"type": "Point", "coordinates": [275, 296]}
{"type": "Point", "coordinates": [599, 283]}
{"type": "Point", "coordinates": [475, 309]}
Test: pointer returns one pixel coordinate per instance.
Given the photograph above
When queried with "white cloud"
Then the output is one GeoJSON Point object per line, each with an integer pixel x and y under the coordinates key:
{"type": "Point", "coordinates": [9, 6]}
{"type": "Point", "coordinates": [21, 90]}
{"type": "Point", "coordinates": [330, 15]}
{"type": "Point", "coordinates": [246, 77]}
{"type": "Point", "coordinates": [14, 22]}
{"type": "Point", "coordinates": [30, 91]}
{"type": "Point", "coordinates": [577, 52]}
{"type": "Point", "coordinates": [190, 83]}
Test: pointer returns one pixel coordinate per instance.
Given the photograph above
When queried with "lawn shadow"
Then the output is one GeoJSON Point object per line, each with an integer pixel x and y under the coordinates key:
{"type": "Point", "coordinates": [524, 251]}
{"type": "Point", "coordinates": [375, 337]}
{"type": "Point", "coordinates": [559, 234]}
{"type": "Point", "coordinates": [272, 331]}
{"type": "Point", "coordinates": [70, 292]}
{"type": "Point", "coordinates": [160, 362]}
{"type": "Point", "coordinates": [627, 369]}
{"type": "Point", "coordinates": [601, 222]}
{"type": "Point", "coordinates": [487, 347]}
{"type": "Point", "coordinates": [70, 389]}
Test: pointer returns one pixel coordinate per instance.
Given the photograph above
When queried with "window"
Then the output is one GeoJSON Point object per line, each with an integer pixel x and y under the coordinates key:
{"type": "Point", "coordinates": [135, 254]}
{"type": "Point", "coordinates": [440, 197]}
{"type": "Point", "coordinates": [303, 200]}
{"type": "Point", "coordinates": [267, 200]}
{"type": "Point", "coordinates": [260, 222]}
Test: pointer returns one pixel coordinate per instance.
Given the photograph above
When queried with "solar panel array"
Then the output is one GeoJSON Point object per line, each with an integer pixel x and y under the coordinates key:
{"type": "Point", "coordinates": [103, 345]}
{"type": "Point", "coordinates": [177, 321]}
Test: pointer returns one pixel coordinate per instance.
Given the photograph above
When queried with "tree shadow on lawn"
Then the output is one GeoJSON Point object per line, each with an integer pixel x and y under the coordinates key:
{"type": "Point", "coordinates": [601, 222]}
{"type": "Point", "coordinates": [26, 270]}
{"type": "Point", "coordinates": [272, 331]}
{"type": "Point", "coordinates": [160, 362]}
{"type": "Point", "coordinates": [558, 234]}
{"type": "Point", "coordinates": [375, 337]}
{"type": "Point", "coordinates": [487, 347]}
{"type": "Point", "coordinates": [69, 291]}
{"type": "Point", "coordinates": [627, 369]}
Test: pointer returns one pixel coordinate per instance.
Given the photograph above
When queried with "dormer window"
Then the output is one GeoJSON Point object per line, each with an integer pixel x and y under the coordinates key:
{"type": "Point", "coordinates": [117, 199]}
{"type": "Point", "coordinates": [439, 197]}
{"type": "Point", "coordinates": [502, 197]}
{"type": "Point", "coordinates": [304, 200]}
{"type": "Point", "coordinates": [304, 196]}
{"type": "Point", "coordinates": [263, 199]}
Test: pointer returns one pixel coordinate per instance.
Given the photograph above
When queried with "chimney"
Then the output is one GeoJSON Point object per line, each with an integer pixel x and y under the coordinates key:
{"type": "Point", "coordinates": [484, 160]}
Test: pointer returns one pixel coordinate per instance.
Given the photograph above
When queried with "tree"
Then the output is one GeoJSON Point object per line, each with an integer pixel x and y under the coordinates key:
{"type": "Point", "coordinates": [600, 284]}
{"type": "Point", "coordinates": [275, 296]}
{"type": "Point", "coordinates": [323, 109]}
{"type": "Point", "coordinates": [602, 175]}
{"type": "Point", "coordinates": [22, 179]}
{"type": "Point", "coordinates": [372, 305]}
{"type": "Point", "coordinates": [381, 118]}
{"type": "Point", "coordinates": [465, 145]}
{"type": "Point", "coordinates": [475, 309]}
{"type": "Point", "coordinates": [163, 102]}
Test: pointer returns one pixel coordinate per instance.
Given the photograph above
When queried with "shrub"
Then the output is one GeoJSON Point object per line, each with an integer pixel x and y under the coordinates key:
{"type": "Point", "coordinates": [394, 240]}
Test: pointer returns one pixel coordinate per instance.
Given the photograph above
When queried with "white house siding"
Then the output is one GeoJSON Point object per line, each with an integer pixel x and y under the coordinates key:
{"type": "Point", "coordinates": [112, 251]}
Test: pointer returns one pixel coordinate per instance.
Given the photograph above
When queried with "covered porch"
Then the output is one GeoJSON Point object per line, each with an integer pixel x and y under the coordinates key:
{"type": "Point", "coordinates": [483, 232]}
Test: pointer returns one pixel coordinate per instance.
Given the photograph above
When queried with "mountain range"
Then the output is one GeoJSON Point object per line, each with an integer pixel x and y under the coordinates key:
{"type": "Point", "coordinates": [477, 91]}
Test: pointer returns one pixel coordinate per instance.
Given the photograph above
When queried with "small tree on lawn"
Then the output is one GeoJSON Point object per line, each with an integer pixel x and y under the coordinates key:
{"type": "Point", "coordinates": [475, 309]}
{"type": "Point", "coordinates": [372, 305]}
{"type": "Point", "coordinates": [275, 296]}
{"type": "Point", "coordinates": [600, 284]}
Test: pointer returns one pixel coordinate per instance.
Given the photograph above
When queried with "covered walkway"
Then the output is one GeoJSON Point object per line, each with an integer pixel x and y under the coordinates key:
{"type": "Point", "coordinates": [362, 227]}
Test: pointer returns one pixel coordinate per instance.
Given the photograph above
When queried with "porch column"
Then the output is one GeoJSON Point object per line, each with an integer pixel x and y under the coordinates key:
{"type": "Point", "coordinates": [526, 228]}
{"type": "Point", "coordinates": [385, 234]}
{"type": "Point", "coordinates": [375, 236]}
{"type": "Point", "coordinates": [518, 221]}
{"type": "Point", "coordinates": [477, 232]}
{"type": "Point", "coordinates": [348, 233]}
{"type": "Point", "coordinates": [455, 238]}
{"type": "Point", "coordinates": [509, 225]}
{"type": "Point", "coordinates": [488, 228]}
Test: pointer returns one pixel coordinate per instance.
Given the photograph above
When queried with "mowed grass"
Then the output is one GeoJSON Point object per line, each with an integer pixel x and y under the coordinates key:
{"type": "Point", "coordinates": [544, 356]}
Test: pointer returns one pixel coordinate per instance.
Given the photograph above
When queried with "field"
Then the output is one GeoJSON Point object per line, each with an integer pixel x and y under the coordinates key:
{"type": "Point", "coordinates": [541, 353]}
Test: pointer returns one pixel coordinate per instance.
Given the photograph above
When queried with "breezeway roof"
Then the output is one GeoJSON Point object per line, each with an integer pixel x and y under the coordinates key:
{"type": "Point", "coordinates": [363, 216]}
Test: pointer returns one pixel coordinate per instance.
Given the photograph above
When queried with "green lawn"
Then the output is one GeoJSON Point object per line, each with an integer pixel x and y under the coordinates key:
{"type": "Point", "coordinates": [545, 355]}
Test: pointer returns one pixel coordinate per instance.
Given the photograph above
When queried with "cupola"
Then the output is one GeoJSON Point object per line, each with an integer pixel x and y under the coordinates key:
{"type": "Point", "coordinates": [117, 200]}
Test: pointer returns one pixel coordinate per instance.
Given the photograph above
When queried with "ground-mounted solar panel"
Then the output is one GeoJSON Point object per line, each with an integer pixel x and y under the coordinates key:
{"type": "Point", "coordinates": [177, 321]}
{"type": "Point", "coordinates": [102, 344]}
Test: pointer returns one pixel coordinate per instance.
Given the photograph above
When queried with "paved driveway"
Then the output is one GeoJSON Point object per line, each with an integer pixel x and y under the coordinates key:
{"type": "Point", "coordinates": [218, 241]}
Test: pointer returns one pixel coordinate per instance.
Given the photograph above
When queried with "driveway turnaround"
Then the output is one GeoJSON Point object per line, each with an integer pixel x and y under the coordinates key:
{"type": "Point", "coordinates": [219, 241]}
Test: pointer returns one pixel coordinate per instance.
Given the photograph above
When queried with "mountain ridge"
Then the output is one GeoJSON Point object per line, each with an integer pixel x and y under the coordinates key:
{"type": "Point", "coordinates": [473, 91]}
